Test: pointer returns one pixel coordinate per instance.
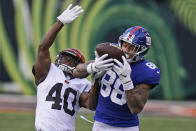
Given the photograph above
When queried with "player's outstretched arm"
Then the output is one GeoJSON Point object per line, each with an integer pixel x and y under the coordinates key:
{"type": "Point", "coordinates": [136, 96]}
{"type": "Point", "coordinates": [93, 66]}
{"type": "Point", "coordinates": [81, 70]}
{"type": "Point", "coordinates": [42, 63]}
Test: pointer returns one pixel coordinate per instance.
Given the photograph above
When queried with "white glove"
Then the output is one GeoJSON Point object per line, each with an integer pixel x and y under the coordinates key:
{"type": "Point", "coordinates": [100, 64]}
{"type": "Point", "coordinates": [70, 14]}
{"type": "Point", "coordinates": [124, 73]}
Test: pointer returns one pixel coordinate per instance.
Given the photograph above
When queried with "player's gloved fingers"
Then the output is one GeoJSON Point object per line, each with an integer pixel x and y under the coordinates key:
{"type": "Point", "coordinates": [106, 61]}
{"type": "Point", "coordinates": [101, 62]}
{"type": "Point", "coordinates": [109, 65]}
{"type": "Point", "coordinates": [69, 6]}
{"type": "Point", "coordinates": [78, 13]}
{"type": "Point", "coordinates": [126, 65]}
{"type": "Point", "coordinates": [74, 18]}
{"type": "Point", "coordinates": [116, 69]}
{"type": "Point", "coordinates": [77, 9]}
{"type": "Point", "coordinates": [103, 57]}
{"type": "Point", "coordinates": [118, 62]}
{"type": "Point", "coordinates": [106, 65]}
{"type": "Point", "coordinates": [108, 68]}
{"type": "Point", "coordinates": [105, 69]}
{"type": "Point", "coordinates": [74, 8]}
{"type": "Point", "coordinates": [101, 67]}
{"type": "Point", "coordinates": [125, 61]}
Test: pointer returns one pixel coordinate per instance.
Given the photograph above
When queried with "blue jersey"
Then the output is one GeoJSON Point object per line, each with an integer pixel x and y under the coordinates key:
{"type": "Point", "coordinates": [112, 108]}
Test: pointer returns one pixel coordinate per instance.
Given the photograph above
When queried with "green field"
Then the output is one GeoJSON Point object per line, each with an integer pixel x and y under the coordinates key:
{"type": "Point", "coordinates": [25, 122]}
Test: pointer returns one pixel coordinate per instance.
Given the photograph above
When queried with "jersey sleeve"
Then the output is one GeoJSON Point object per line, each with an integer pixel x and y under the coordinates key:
{"type": "Point", "coordinates": [146, 73]}
{"type": "Point", "coordinates": [152, 77]}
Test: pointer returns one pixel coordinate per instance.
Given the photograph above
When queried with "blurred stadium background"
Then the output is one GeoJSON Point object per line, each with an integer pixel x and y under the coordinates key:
{"type": "Point", "coordinates": [171, 23]}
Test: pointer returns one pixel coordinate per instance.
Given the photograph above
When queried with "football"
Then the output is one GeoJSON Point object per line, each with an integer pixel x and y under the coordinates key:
{"type": "Point", "coordinates": [112, 50]}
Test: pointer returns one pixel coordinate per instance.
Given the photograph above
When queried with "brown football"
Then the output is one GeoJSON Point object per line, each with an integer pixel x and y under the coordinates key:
{"type": "Point", "coordinates": [112, 50]}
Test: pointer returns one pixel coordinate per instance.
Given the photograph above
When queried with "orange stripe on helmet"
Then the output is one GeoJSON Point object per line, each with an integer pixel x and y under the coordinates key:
{"type": "Point", "coordinates": [78, 53]}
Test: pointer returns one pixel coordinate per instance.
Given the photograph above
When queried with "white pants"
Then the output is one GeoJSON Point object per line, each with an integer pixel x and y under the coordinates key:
{"type": "Point", "coordinates": [98, 126]}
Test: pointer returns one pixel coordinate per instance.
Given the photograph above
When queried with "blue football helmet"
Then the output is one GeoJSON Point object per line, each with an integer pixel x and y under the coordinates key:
{"type": "Point", "coordinates": [140, 39]}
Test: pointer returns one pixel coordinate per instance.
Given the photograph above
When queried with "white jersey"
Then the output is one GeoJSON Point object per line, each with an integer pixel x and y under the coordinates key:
{"type": "Point", "coordinates": [58, 101]}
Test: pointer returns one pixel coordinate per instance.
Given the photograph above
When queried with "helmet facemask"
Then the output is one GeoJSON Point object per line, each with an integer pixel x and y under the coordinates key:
{"type": "Point", "coordinates": [138, 53]}
{"type": "Point", "coordinates": [67, 60]}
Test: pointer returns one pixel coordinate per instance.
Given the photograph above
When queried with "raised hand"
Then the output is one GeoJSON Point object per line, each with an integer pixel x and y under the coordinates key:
{"type": "Point", "coordinates": [70, 14]}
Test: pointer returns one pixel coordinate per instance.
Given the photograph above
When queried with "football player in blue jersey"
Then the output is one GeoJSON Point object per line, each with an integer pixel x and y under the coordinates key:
{"type": "Point", "coordinates": [125, 88]}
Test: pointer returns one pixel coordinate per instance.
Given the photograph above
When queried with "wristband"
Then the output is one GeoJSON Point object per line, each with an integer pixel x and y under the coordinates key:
{"type": "Point", "coordinates": [59, 18]}
{"type": "Point", "coordinates": [89, 68]}
{"type": "Point", "coordinates": [128, 86]}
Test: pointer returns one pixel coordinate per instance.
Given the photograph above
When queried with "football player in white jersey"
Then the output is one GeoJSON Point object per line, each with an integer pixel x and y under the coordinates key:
{"type": "Point", "coordinates": [59, 93]}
